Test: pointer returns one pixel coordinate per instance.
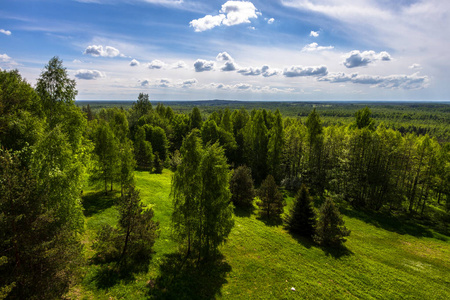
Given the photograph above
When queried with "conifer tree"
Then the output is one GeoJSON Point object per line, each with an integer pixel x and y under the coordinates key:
{"type": "Point", "coordinates": [330, 229]}
{"type": "Point", "coordinates": [302, 218]}
{"type": "Point", "coordinates": [271, 202]}
{"type": "Point", "coordinates": [241, 187]}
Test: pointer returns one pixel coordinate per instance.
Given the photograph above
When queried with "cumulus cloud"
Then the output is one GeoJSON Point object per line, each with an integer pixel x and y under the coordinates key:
{"type": "Point", "coordinates": [231, 13]}
{"type": "Point", "coordinates": [145, 83]}
{"type": "Point", "coordinates": [7, 32]}
{"type": "Point", "coordinates": [163, 82]}
{"type": "Point", "coordinates": [242, 86]}
{"type": "Point", "coordinates": [202, 65]}
{"type": "Point", "coordinates": [270, 21]}
{"type": "Point", "coordinates": [155, 64]}
{"type": "Point", "coordinates": [315, 47]}
{"type": "Point", "coordinates": [415, 66]}
{"type": "Point", "coordinates": [297, 71]}
{"type": "Point", "coordinates": [179, 65]}
{"type": "Point", "coordinates": [356, 58]}
{"type": "Point", "coordinates": [76, 61]}
{"type": "Point", "coordinates": [314, 33]}
{"type": "Point", "coordinates": [224, 56]}
{"type": "Point", "coordinates": [134, 63]}
{"type": "Point", "coordinates": [407, 82]}
{"type": "Point", "coordinates": [98, 50]}
{"type": "Point", "coordinates": [89, 74]}
{"type": "Point", "coordinates": [229, 66]}
{"type": "Point", "coordinates": [190, 82]}
{"type": "Point", "coordinates": [264, 71]}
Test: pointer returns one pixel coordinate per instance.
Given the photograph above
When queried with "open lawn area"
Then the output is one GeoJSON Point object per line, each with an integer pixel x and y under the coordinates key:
{"type": "Point", "coordinates": [382, 259]}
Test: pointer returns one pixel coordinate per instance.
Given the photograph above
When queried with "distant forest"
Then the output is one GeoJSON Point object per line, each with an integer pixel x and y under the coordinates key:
{"type": "Point", "coordinates": [391, 159]}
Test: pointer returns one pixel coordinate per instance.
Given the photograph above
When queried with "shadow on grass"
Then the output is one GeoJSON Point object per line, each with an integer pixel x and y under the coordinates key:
{"type": "Point", "coordinates": [244, 212]}
{"type": "Point", "coordinates": [109, 274]}
{"type": "Point", "coordinates": [399, 224]}
{"type": "Point", "coordinates": [96, 202]}
{"type": "Point", "coordinates": [336, 252]}
{"type": "Point", "coordinates": [274, 221]}
{"type": "Point", "coordinates": [184, 279]}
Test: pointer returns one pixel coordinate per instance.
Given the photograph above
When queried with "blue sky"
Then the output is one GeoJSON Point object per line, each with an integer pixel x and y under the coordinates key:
{"type": "Point", "coordinates": [236, 50]}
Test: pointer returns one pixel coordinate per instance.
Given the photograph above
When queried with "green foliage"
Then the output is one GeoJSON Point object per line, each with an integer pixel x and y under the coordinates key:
{"type": "Point", "coordinates": [241, 187]}
{"type": "Point", "coordinates": [157, 137]}
{"type": "Point", "coordinates": [256, 141]}
{"type": "Point", "coordinates": [202, 213]}
{"type": "Point", "coordinates": [142, 106]}
{"type": "Point", "coordinates": [133, 240]}
{"type": "Point", "coordinates": [41, 252]}
{"type": "Point", "coordinates": [275, 147]}
{"type": "Point", "coordinates": [271, 202]}
{"type": "Point", "coordinates": [143, 150]}
{"type": "Point", "coordinates": [330, 229]}
{"type": "Point", "coordinates": [195, 119]}
{"type": "Point", "coordinates": [158, 164]}
{"type": "Point", "coordinates": [302, 217]}
{"type": "Point", "coordinates": [363, 119]}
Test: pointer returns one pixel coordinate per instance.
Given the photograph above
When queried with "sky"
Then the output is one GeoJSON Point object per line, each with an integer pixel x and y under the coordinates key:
{"type": "Point", "coordinates": [235, 50]}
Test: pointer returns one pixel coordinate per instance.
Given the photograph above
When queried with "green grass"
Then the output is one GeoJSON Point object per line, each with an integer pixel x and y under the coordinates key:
{"type": "Point", "coordinates": [384, 258]}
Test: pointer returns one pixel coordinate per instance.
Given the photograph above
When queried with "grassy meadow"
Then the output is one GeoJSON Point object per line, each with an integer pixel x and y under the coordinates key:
{"type": "Point", "coordinates": [384, 258]}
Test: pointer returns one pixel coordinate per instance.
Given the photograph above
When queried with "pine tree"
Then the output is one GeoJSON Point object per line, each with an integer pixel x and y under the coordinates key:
{"type": "Point", "coordinates": [330, 229]}
{"type": "Point", "coordinates": [135, 236]}
{"type": "Point", "coordinates": [241, 187]}
{"type": "Point", "coordinates": [271, 201]}
{"type": "Point", "coordinates": [302, 218]}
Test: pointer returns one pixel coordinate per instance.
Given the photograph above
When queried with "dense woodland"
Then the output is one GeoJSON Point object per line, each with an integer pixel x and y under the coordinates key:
{"type": "Point", "coordinates": [223, 159]}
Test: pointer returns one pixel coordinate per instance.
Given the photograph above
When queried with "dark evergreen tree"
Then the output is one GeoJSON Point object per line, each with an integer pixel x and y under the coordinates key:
{"type": "Point", "coordinates": [135, 236]}
{"type": "Point", "coordinates": [143, 151]}
{"type": "Point", "coordinates": [271, 202]}
{"type": "Point", "coordinates": [302, 217]}
{"type": "Point", "coordinates": [330, 230]}
{"type": "Point", "coordinates": [195, 119]}
{"type": "Point", "coordinates": [241, 187]}
{"type": "Point", "coordinates": [158, 164]}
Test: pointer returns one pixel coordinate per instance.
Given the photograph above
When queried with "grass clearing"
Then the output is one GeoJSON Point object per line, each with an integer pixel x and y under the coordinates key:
{"type": "Point", "coordinates": [383, 259]}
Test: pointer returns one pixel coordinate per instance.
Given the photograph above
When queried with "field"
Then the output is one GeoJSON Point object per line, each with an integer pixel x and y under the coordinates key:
{"type": "Point", "coordinates": [384, 258]}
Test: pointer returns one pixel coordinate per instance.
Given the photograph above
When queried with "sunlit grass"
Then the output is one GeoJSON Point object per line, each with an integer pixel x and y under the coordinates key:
{"type": "Point", "coordinates": [383, 259]}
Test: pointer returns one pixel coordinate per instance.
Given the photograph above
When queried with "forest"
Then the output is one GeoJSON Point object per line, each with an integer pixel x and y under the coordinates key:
{"type": "Point", "coordinates": [161, 202]}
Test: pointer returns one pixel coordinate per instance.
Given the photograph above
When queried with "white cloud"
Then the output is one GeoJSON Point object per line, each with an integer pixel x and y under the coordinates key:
{"type": "Point", "coordinates": [231, 13]}
{"type": "Point", "coordinates": [356, 58]}
{"type": "Point", "coordinates": [145, 83]}
{"type": "Point", "coordinates": [202, 65]}
{"type": "Point", "coordinates": [179, 65]}
{"type": "Point", "coordinates": [77, 61]}
{"type": "Point", "coordinates": [314, 33]}
{"type": "Point", "coordinates": [415, 66]}
{"type": "Point", "coordinates": [134, 63]}
{"type": "Point", "coordinates": [155, 64]}
{"type": "Point", "coordinates": [189, 83]}
{"type": "Point", "coordinates": [297, 71]}
{"type": "Point", "coordinates": [315, 47]}
{"type": "Point", "coordinates": [270, 21]}
{"type": "Point", "coordinates": [229, 66]}
{"type": "Point", "coordinates": [7, 61]}
{"type": "Point", "coordinates": [97, 50]}
{"type": "Point", "coordinates": [242, 86]}
{"type": "Point", "coordinates": [89, 74]}
{"type": "Point", "coordinates": [264, 71]}
{"type": "Point", "coordinates": [207, 22]}
{"type": "Point", "coordinates": [224, 56]}
{"type": "Point", "coordinates": [406, 82]}
{"type": "Point", "coordinates": [163, 82]}
{"type": "Point", "coordinates": [7, 32]}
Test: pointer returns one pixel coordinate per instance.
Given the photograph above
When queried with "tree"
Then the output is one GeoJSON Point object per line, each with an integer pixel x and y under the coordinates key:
{"type": "Point", "coordinates": [330, 230]}
{"type": "Point", "coordinates": [127, 165]}
{"type": "Point", "coordinates": [186, 187]}
{"type": "Point", "coordinates": [107, 155]}
{"type": "Point", "coordinates": [142, 106]}
{"type": "Point", "coordinates": [215, 208]}
{"type": "Point", "coordinates": [363, 119]}
{"type": "Point", "coordinates": [158, 164]}
{"type": "Point", "coordinates": [302, 218]}
{"type": "Point", "coordinates": [135, 236]}
{"type": "Point", "coordinates": [275, 147]}
{"type": "Point", "coordinates": [202, 215]}
{"type": "Point", "coordinates": [157, 137]}
{"type": "Point", "coordinates": [39, 252]}
{"type": "Point", "coordinates": [256, 141]}
{"type": "Point", "coordinates": [316, 172]}
{"type": "Point", "coordinates": [143, 151]}
{"type": "Point", "coordinates": [241, 187]}
{"type": "Point", "coordinates": [195, 119]}
{"type": "Point", "coordinates": [271, 200]}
